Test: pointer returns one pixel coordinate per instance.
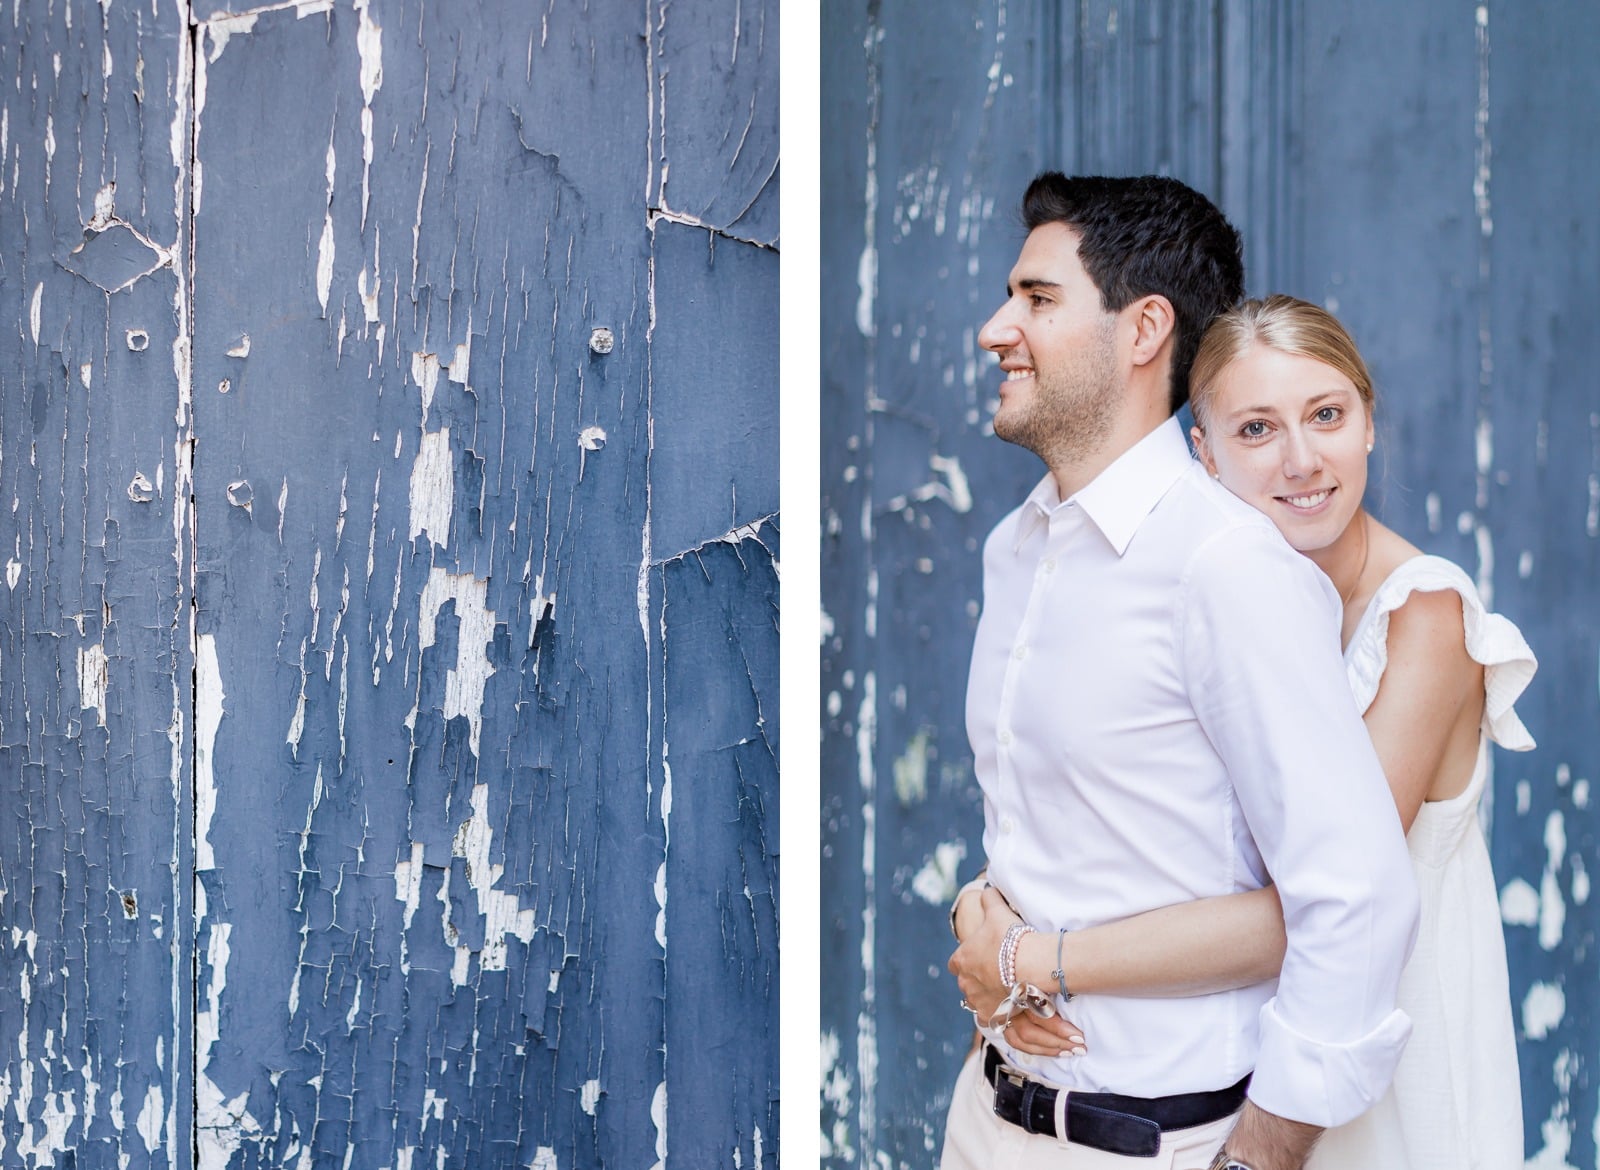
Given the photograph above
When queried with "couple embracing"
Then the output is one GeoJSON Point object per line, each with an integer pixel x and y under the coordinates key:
{"type": "Point", "coordinates": [1231, 733]}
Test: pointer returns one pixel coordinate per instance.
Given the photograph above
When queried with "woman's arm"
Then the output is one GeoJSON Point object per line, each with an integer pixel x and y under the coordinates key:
{"type": "Point", "coordinates": [1192, 948]}
{"type": "Point", "coordinates": [1423, 723]}
{"type": "Point", "coordinates": [1424, 720]}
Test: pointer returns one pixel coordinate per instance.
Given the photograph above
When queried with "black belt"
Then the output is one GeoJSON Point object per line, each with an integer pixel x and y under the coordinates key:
{"type": "Point", "coordinates": [1131, 1126]}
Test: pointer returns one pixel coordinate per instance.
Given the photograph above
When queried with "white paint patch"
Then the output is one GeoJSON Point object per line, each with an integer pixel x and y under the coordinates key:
{"type": "Point", "coordinates": [658, 1115]}
{"type": "Point", "coordinates": [592, 438]}
{"type": "Point", "coordinates": [936, 882]}
{"type": "Point", "coordinates": [369, 45]}
{"type": "Point", "coordinates": [502, 913]}
{"type": "Point", "coordinates": [544, 1158]}
{"type": "Point", "coordinates": [325, 258]}
{"type": "Point", "coordinates": [836, 1091]}
{"type": "Point", "coordinates": [464, 684]}
{"type": "Point", "coordinates": [93, 676]}
{"type": "Point", "coordinates": [221, 1125]}
{"type": "Point", "coordinates": [1519, 904]}
{"type": "Point", "coordinates": [59, 1114]}
{"type": "Point", "coordinates": [591, 1096]}
{"type": "Point", "coordinates": [140, 489]}
{"type": "Point", "coordinates": [150, 1118]}
{"type": "Point", "coordinates": [1552, 906]}
{"type": "Point", "coordinates": [240, 348]}
{"type": "Point", "coordinates": [911, 770]}
{"type": "Point", "coordinates": [86, 375]}
{"type": "Point", "coordinates": [867, 288]}
{"type": "Point", "coordinates": [460, 363]}
{"type": "Point", "coordinates": [207, 718]}
{"type": "Point", "coordinates": [433, 486]}
{"type": "Point", "coordinates": [34, 309]}
{"type": "Point", "coordinates": [222, 29]}
{"type": "Point", "coordinates": [425, 373]}
{"type": "Point", "coordinates": [408, 882]}
{"type": "Point", "coordinates": [661, 905]}
{"type": "Point", "coordinates": [1543, 1008]}
{"type": "Point", "coordinates": [369, 297]}
{"type": "Point", "coordinates": [13, 573]}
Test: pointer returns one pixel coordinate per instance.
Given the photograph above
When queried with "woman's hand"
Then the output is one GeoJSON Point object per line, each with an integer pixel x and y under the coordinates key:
{"type": "Point", "coordinates": [975, 964]}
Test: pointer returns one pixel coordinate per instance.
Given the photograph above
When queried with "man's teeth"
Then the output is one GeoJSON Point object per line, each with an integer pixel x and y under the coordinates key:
{"type": "Point", "coordinates": [1310, 501]}
{"type": "Point", "coordinates": [1015, 375]}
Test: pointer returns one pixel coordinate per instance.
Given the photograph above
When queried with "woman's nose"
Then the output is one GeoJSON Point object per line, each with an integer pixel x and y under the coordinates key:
{"type": "Point", "coordinates": [1301, 456]}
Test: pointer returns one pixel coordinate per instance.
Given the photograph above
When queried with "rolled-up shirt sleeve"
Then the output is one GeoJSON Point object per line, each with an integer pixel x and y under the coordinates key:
{"type": "Point", "coordinates": [1259, 629]}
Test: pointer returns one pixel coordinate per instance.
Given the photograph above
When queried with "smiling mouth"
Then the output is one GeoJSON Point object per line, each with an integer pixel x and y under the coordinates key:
{"type": "Point", "coordinates": [1304, 503]}
{"type": "Point", "coordinates": [1018, 375]}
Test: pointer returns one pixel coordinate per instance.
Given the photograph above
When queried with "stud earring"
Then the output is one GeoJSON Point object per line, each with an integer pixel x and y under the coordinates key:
{"type": "Point", "coordinates": [1369, 448]}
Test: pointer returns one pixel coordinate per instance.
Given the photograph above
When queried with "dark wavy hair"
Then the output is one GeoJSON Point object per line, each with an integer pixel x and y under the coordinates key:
{"type": "Point", "coordinates": [1143, 236]}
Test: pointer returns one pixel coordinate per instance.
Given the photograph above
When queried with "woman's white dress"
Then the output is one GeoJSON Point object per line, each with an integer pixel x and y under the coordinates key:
{"type": "Point", "coordinates": [1456, 1099]}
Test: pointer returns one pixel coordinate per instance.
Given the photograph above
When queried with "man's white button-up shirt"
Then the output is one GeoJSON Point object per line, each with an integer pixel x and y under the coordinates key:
{"type": "Point", "coordinates": [1158, 711]}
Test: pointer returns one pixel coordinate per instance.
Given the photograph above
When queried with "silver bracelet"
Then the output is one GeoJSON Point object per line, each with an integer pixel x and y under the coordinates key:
{"type": "Point", "coordinates": [1059, 974]}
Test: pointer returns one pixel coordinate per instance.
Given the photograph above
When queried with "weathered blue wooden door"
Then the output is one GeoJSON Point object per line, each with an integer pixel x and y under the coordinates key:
{"type": "Point", "coordinates": [389, 645]}
{"type": "Point", "coordinates": [1425, 170]}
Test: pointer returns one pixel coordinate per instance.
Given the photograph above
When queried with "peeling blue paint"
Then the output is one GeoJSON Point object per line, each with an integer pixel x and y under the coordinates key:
{"type": "Point", "coordinates": [349, 579]}
{"type": "Point", "coordinates": [1425, 174]}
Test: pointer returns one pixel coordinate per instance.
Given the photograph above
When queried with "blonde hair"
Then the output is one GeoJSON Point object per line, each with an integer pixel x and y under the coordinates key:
{"type": "Point", "coordinates": [1283, 323]}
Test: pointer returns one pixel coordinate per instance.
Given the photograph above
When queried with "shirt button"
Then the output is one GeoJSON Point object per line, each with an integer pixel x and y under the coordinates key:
{"type": "Point", "coordinates": [1048, 566]}
{"type": "Point", "coordinates": [1007, 824]}
{"type": "Point", "coordinates": [1020, 652]}
{"type": "Point", "coordinates": [1005, 737]}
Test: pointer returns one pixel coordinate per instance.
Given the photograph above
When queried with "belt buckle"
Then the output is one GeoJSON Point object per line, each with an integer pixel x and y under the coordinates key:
{"type": "Point", "coordinates": [1030, 1087]}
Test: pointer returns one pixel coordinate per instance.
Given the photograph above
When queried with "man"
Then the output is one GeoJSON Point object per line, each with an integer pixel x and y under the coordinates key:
{"type": "Point", "coordinates": [1158, 712]}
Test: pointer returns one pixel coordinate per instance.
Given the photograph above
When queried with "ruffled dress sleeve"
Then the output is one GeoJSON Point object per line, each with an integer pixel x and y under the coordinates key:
{"type": "Point", "coordinates": [1492, 641]}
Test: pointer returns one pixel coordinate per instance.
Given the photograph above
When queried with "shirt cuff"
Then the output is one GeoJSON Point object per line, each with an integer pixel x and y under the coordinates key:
{"type": "Point", "coordinates": [1319, 1083]}
{"type": "Point", "coordinates": [981, 882]}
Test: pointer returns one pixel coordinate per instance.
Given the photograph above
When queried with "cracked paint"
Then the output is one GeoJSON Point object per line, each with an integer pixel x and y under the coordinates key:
{"type": "Point", "coordinates": [400, 914]}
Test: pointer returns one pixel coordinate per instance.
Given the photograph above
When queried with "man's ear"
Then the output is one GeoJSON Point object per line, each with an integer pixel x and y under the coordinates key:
{"type": "Point", "coordinates": [1153, 322]}
{"type": "Point", "coordinates": [1197, 436]}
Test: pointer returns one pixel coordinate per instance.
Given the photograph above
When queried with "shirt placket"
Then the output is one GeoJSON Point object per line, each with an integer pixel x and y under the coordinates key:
{"type": "Point", "coordinates": [1012, 723]}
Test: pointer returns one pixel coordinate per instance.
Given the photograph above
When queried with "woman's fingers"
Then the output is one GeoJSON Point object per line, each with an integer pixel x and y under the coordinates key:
{"type": "Point", "coordinates": [1028, 1033]}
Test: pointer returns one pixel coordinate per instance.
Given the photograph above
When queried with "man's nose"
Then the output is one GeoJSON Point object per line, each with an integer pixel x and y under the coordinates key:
{"type": "Point", "coordinates": [1000, 332]}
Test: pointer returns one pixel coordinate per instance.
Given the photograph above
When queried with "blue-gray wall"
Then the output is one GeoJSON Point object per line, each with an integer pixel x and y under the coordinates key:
{"type": "Point", "coordinates": [388, 658]}
{"type": "Point", "coordinates": [1427, 171]}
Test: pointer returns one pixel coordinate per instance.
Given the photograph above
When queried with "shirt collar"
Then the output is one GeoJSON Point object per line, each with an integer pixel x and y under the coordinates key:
{"type": "Point", "coordinates": [1120, 497]}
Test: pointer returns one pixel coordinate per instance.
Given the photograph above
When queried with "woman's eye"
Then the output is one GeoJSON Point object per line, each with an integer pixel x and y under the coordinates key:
{"type": "Point", "coordinates": [1254, 429]}
{"type": "Point", "coordinates": [1328, 414]}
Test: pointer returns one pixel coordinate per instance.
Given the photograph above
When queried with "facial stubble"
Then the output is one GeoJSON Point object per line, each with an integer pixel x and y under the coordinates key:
{"type": "Point", "coordinates": [1073, 407]}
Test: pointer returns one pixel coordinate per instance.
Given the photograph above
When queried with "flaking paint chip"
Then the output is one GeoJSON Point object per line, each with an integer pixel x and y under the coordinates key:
{"type": "Point", "coordinates": [592, 438]}
{"type": "Point", "coordinates": [240, 348]}
{"type": "Point", "coordinates": [141, 490]}
{"type": "Point", "coordinates": [138, 340]}
{"type": "Point", "coordinates": [240, 494]}
{"type": "Point", "coordinates": [601, 341]}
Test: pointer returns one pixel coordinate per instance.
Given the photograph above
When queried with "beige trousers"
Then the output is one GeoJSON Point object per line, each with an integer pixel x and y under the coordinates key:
{"type": "Point", "coordinates": [975, 1139]}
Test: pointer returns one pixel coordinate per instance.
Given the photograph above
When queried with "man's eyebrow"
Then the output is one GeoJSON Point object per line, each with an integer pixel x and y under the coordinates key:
{"type": "Point", "coordinates": [1028, 284]}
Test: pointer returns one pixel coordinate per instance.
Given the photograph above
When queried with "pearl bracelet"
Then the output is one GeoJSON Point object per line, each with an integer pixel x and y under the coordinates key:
{"type": "Point", "coordinates": [1008, 953]}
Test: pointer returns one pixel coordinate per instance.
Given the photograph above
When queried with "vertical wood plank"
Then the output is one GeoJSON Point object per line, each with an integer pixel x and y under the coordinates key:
{"type": "Point", "coordinates": [94, 618]}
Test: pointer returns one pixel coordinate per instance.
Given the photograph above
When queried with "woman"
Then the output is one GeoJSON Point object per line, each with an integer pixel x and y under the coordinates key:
{"type": "Point", "coordinates": [1283, 404]}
